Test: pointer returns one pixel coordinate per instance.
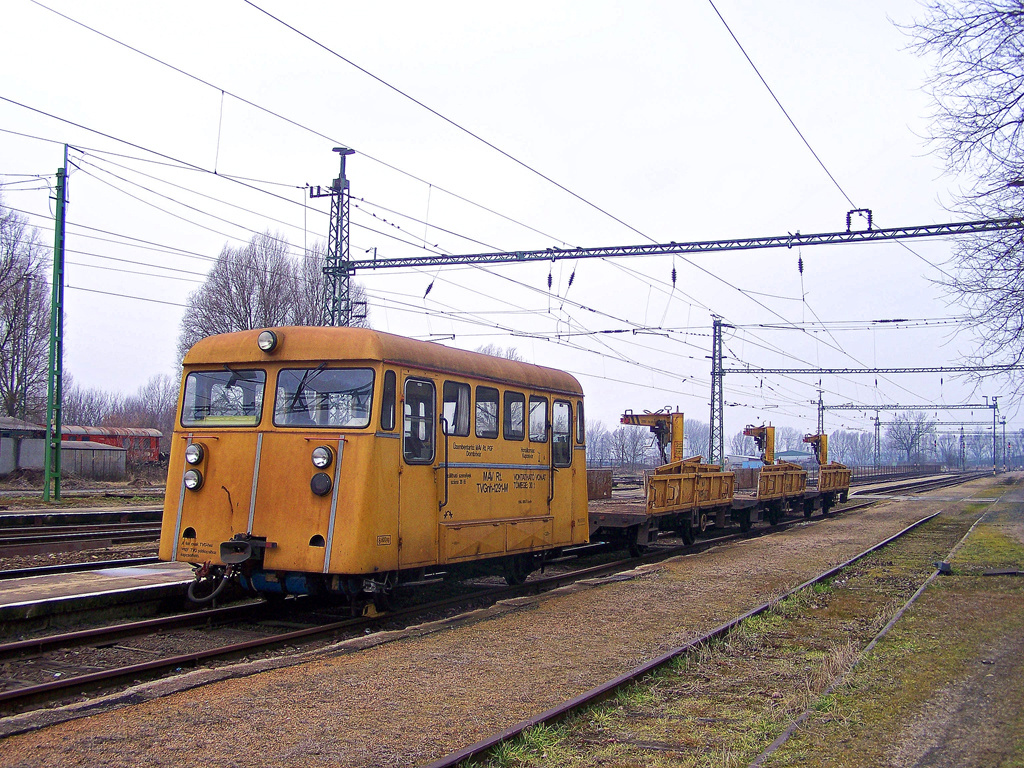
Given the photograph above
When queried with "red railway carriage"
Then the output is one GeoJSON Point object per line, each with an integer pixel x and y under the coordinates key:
{"type": "Point", "coordinates": [142, 444]}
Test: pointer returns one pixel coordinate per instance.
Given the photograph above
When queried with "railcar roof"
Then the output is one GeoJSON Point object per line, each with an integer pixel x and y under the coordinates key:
{"type": "Point", "coordinates": [314, 344]}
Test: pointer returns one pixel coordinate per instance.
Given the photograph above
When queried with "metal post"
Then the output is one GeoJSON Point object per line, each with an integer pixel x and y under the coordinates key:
{"type": "Point", "coordinates": [821, 413]}
{"type": "Point", "coordinates": [716, 443]}
{"type": "Point", "coordinates": [1003, 422]}
{"type": "Point", "coordinates": [963, 451]}
{"type": "Point", "coordinates": [54, 390]}
{"type": "Point", "coordinates": [338, 269]}
{"type": "Point", "coordinates": [878, 440]}
{"type": "Point", "coordinates": [995, 435]}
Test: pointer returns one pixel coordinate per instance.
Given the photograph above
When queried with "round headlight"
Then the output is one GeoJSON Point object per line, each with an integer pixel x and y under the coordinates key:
{"type": "Point", "coordinates": [193, 479]}
{"type": "Point", "coordinates": [267, 341]}
{"type": "Point", "coordinates": [320, 484]}
{"type": "Point", "coordinates": [194, 453]}
{"type": "Point", "coordinates": [322, 457]}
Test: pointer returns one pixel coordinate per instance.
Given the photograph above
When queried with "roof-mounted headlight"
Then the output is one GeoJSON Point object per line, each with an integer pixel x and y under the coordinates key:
{"type": "Point", "coordinates": [267, 341]}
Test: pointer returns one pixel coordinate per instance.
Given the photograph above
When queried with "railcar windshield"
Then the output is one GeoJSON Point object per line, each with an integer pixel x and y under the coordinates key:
{"type": "Point", "coordinates": [324, 397]}
{"type": "Point", "coordinates": [227, 398]}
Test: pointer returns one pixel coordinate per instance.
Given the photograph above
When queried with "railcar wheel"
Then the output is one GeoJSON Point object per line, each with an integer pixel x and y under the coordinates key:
{"type": "Point", "coordinates": [686, 532]}
{"type": "Point", "coordinates": [517, 569]}
{"type": "Point", "coordinates": [703, 522]}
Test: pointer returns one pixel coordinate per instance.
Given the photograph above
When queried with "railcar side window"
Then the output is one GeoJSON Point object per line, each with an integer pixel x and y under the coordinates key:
{"type": "Point", "coordinates": [538, 419]}
{"type": "Point", "coordinates": [486, 412]}
{"type": "Point", "coordinates": [515, 416]}
{"type": "Point", "coordinates": [456, 408]}
{"type": "Point", "coordinates": [418, 429]}
{"type": "Point", "coordinates": [387, 404]}
{"type": "Point", "coordinates": [581, 425]}
{"type": "Point", "coordinates": [228, 398]}
{"type": "Point", "coordinates": [324, 397]}
{"type": "Point", "coordinates": [561, 434]}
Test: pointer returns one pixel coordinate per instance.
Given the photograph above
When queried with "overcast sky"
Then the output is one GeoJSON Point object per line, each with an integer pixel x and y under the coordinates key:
{"type": "Point", "coordinates": [647, 111]}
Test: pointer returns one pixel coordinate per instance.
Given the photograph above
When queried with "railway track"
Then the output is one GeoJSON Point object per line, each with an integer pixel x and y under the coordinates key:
{"type": "Point", "coordinates": [478, 752]}
{"type": "Point", "coordinates": [54, 667]}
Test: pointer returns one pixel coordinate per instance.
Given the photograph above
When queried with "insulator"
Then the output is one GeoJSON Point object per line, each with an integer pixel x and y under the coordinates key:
{"type": "Point", "coordinates": [800, 264]}
{"type": "Point", "coordinates": [571, 278]}
{"type": "Point", "coordinates": [549, 281]}
{"type": "Point", "coordinates": [673, 277]}
{"type": "Point", "coordinates": [428, 289]}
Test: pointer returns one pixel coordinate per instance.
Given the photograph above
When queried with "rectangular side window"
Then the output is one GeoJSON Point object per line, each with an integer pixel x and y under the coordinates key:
{"type": "Point", "coordinates": [538, 419]}
{"type": "Point", "coordinates": [581, 425]}
{"type": "Point", "coordinates": [561, 434]}
{"type": "Point", "coordinates": [387, 405]}
{"type": "Point", "coordinates": [418, 427]}
{"type": "Point", "coordinates": [486, 412]}
{"type": "Point", "coordinates": [456, 409]}
{"type": "Point", "coordinates": [515, 416]}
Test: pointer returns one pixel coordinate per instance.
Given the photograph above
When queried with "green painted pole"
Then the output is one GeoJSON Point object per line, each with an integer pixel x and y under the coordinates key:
{"type": "Point", "coordinates": [54, 389]}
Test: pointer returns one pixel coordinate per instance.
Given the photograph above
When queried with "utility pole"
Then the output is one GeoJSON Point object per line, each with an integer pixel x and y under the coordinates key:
{"type": "Point", "coordinates": [1003, 422]}
{"type": "Point", "coordinates": [338, 270]}
{"type": "Point", "coordinates": [821, 412]}
{"type": "Point", "coordinates": [878, 440]}
{"type": "Point", "coordinates": [54, 388]}
{"type": "Point", "coordinates": [963, 451]}
{"type": "Point", "coordinates": [995, 435]}
{"type": "Point", "coordinates": [716, 443]}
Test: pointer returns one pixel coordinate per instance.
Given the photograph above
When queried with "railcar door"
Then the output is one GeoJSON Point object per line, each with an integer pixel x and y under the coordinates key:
{"type": "Point", "coordinates": [418, 502]}
{"type": "Point", "coordinates": [563, 469]}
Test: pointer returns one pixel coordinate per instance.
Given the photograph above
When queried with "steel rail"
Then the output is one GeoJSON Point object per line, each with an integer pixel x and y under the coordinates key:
{"type": "Point", "coordinates": [603, 691]}
{"type": "Point", "coordinates": [42, 691]}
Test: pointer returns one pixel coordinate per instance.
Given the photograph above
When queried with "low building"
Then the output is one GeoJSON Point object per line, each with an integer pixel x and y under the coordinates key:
{"type": "Point", "coordinates": [23, 447]}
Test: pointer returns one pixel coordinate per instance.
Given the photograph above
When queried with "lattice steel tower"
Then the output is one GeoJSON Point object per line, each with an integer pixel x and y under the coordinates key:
{"type": "Point", "coordinates": [338, 270]}
{"type": "Point", "coordinates": [716, 443]}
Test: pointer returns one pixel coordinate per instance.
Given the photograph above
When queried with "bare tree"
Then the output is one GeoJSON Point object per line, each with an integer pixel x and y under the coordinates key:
{"type": "Point", "coordinates": [696, 437]}
{"type": "Point", "coordinates": [259, 286]}
{"type": "Point", "coordinates": [743, 445]}
{"type": "Point", "coordinates": [908, 432]}
{"type": "Point", "coordinates": [24, 318]}
{"type": "Point", "coordinates": [631, 446]}
{"type": "Point", "coordinates": [978, 128]}
{"type": "Point", "coordinates": [508, 353]}
{"type": "Point", "coordinates": [599, 445]}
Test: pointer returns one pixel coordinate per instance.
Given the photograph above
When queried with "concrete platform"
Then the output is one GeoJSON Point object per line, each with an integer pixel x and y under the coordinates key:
{"type": "Point", "coordinates": [59, 599]}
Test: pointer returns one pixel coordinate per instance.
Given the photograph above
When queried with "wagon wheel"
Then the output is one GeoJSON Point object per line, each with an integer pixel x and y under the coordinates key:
{"type": "Point", "coordinates": [686, 533]}
{"type": "Point", "coordinates": [517, 569]}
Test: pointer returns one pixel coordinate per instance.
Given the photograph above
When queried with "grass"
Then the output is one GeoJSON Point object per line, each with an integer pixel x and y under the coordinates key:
{"type": "Point", "coordinates": [723, 703]}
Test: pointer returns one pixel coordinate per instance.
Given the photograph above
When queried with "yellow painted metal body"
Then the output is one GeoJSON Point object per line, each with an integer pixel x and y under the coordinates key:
{"type": "Point", "coordinates": [667, 427]}
{"type": "Point", "coordinates": [834, 477]}
{"type": "Point", "coordinates": [688, 485]}
{"type": "Point", "coordinates": [777, 481]}
{"type": "Point", "coordinates": [477, 497]}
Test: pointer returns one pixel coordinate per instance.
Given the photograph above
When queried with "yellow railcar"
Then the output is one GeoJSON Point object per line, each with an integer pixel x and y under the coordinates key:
{"type": "Point", "coordinates": [347, 461]}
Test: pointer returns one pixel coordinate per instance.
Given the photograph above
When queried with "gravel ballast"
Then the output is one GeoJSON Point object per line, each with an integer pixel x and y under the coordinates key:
{"type": "Point", "coordinates": [430, 690]}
